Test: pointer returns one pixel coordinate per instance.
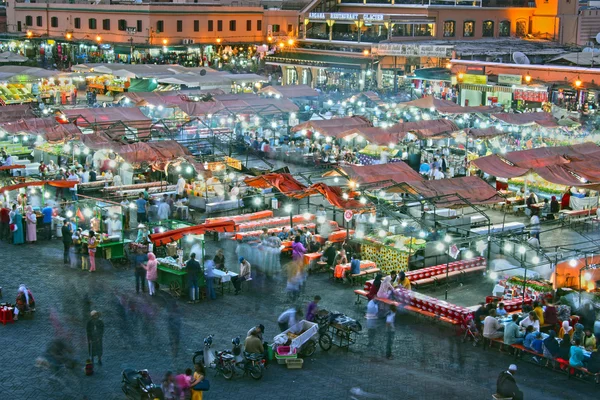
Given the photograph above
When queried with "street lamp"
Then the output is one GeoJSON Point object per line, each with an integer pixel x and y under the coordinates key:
{"type": "Point", "coordinates": [98, 38]}
{"type": "Point", "coordinates": [165, 42]}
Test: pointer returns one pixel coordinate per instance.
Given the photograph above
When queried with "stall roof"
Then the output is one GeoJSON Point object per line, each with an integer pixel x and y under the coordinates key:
{"type": "Point", "coordinates": [444, 106]}
{"type": "Point", "coordinates": [525, 118]}
{"type": "Point", "coordinates": [16, 112]}
{"type": "Point", "coordinates": [484, 133]}
{"type": "Point", "coordinates": [453, 192]}
{"type": "Point", "coordinates": [290, 92]}
{"type": "Point", "coordinates": [17, 73]}
{"type": "Point", "coordinates": [104, 117]}
{"type": "Point", "coordinates": [397, 172]}
{"type": "Point", "coordinates": [577, 165]}
{"type": "Point", "coordinates": [8, 56]}
{"type": "Point", "coordinates": [174, 235]}
{"type": "Point", "coordinates": [167, 99]}
{"type": "Point", "coordinates": [334, 127]}
{"type": "Point", "coordinates": [239, 103]}
{"type": "Point", "coordinates": [48, 128]}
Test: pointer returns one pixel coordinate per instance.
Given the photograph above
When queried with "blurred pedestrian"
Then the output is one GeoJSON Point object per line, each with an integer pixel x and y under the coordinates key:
{"type": "Point", "coordinates": [371, 316]}
{"type": "Point", "coordinates": [92, 244]}
{"type": "Point", "coordinates": [67, 239]}
{"type": "Point", "coordinates": [31, 225]}
{"type": "Point", "coordinates": [209, 273]}
{"type": "Point", "coordinates": [193, 271]}
{"type": "Point", "coordinates": [151, 268]}
{"type": "Point", "coordinates": [390, 321]}
{"type": "Point", "coordinates": [95, 334]}
{"type": "Point", "coordinates": [168, 386]}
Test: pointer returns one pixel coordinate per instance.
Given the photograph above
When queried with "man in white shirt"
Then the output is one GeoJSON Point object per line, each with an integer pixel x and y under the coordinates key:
{"type": "Point", "coordinates": [164, 210]}
{"type": "Point", "coordinates": [85, 176]}
{"type": "Point", "coordinates": [492, 328]}
{"type": "Point", "coordinates": [390, 321]}
{"type": "Point", "coordinates": [437, 174]}
{"type": "Point", "coordinates": [371, 316]}
{"type": "Point", "coordinates": [73, 177]}
{"type": "Point", "coordinates": [180, 185]}
{"type": "Point", "coordinates": [289, 318]}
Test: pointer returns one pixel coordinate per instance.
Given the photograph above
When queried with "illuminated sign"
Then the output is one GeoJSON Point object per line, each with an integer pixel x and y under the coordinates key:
{"type": "Point", "coordinates": [510, 79]}
{"type": "Point", "coordinates": [411, 50]}
{"type": "Point", "coordinates": [345, 16]}
{"type": "Point", "coordinates": [475, 79]}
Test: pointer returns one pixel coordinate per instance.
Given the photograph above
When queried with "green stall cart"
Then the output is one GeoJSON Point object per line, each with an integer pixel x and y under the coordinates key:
{"type": "Point", "coordinates": [175, 280]}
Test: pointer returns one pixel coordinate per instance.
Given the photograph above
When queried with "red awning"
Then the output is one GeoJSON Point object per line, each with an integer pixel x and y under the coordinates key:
{"type": "Point", "coordinates": [470, 188]}
{"type": "Point", "coordinates": [16, 112]}
{"type": "Point", "coordinates": [7, 167]}
{"type": "Point", "coordinates": [174, 235]}
{"type": "Point", "coordinates": [239, 103]}
{"type": "Point", "coordinates": [335, 127]}
{"type": "Point", "coordinates": [48, 128]}
{"type": "Point", "coordinates": [107, 117]}
{"type": "Point", "coordinates": [59, 184]}
{"type": "Point", "coordinates": [283, 182]}
{"type": "Point", "coordinates": [333, 194]}
{"type": "Point", "coordinates": [444, 106]}
{"type": "Point", "coordinates": [485, 133]}
{"type": "Point", "coordinates": [290, 91]}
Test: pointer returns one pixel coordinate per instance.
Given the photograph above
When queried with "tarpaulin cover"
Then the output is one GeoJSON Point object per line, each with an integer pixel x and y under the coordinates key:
{"type": "Point", "coordinates": [484, 133]}
{"type": "Point", "coordinates": [395, 133]}
{"type": "Point", "coordinates": [171, 236]}
{"type": "Point", "coordinates": [156, 154]}
{"type": "Point", "coordinates": [333, 194]}
{"type": "Point", "coordinates": [103, 140]}
{"type": "Point", "coordinates": [291, 92]}
{"type": "Point", "coordinates": [398, 172]}
{"type": "Point", "coordinates": [16, 112]}
{"type": "Point", "coordinates": [283, 182]}
{"type": "Point", "coordinates": [577, 165]}
{"type": "Point", "coordinates": [239, 103]}
{"type": "Point", "coordinates": [443, 106]}
{"type": "Point", "coordinates": [472, 188]}
{"type": "Point", "coordinates": [59, 184]}
{"type": "Point", "coordinates": [131, 117]}
{"type": "Point", "coordinates": [334, 127]}
{"type": "Point", "coordinates": [167, 99]}
{"type": "Point", "coordinates": [48, 128]}
{"type": "Point", "coordinates": [524, 118]}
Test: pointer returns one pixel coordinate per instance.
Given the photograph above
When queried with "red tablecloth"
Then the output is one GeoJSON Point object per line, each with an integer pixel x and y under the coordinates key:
{"type": "Point", "coordinates": [310, 257]}
{"type": "Point", "coordinates": [341, 269]}
{"type": "Point", "coordinates": [244, 217]}
{"type": "Point", "coordinates": [575, 213]}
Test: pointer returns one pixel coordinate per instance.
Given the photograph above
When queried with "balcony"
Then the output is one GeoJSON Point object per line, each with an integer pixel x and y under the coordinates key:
{"type": "Point", "coordinates": [446, 3]}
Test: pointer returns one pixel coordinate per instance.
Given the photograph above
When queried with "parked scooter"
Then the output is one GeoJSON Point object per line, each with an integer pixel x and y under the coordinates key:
{"type": "Point", "coordinates": [247, 363]}
{"type": "Point", "coordinates": [137, 385]}
{"type": "Point", "coordinates": [220, 361]}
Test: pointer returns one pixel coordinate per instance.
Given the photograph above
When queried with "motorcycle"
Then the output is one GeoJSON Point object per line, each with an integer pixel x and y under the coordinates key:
{"type": "Point", "coordinates": [220, 361]}
{"type": "Point", "coordinates": [229, 363]}
{"type": "Point", "coordinates": [137, 385]}
{"type": "Point", "coordinates": [247, 363]}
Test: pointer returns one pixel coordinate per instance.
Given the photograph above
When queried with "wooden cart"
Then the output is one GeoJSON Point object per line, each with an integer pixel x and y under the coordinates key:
{"type": "Point", "coordinates": [114, 252]}
{"type": "Point", "coordinates": [175, 280]}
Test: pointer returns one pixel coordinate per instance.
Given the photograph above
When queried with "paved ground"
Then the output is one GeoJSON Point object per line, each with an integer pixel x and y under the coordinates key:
{"type": "Point", "coordinates": [429, 360]}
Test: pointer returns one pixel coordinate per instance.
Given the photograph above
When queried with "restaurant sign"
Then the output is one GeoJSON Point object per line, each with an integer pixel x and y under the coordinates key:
{"type": "Point", "coordinates": [510, 79]}
{"type": "Point", "coordinates": [411, 50]}
{"type": "Point", "coordinates": [344, 16]}
{"type": "Point", "coordinates": [475, 79]}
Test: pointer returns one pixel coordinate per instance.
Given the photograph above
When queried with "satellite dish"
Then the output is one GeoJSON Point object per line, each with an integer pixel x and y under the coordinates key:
{"type": "Point", "coordinates": [520, 58]}
{"type": "Point", "coordinates": [598, 38]}
{"type": "Point", "coordinates": [587, 50]}
{"type": "Point", "coordinates": [202, 72]}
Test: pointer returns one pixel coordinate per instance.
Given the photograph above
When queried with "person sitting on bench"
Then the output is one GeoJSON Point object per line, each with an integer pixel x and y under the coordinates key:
{"type": "Point", "coordinates": [492, 328]}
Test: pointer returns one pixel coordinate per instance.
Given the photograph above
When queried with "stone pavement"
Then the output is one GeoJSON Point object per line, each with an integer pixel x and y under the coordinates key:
{"type": "Point", "coordinates": [430, 362]}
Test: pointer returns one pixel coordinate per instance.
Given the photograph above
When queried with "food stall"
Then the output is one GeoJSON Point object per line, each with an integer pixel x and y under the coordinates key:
{"type": "Point", "coordinates": [391, 253]}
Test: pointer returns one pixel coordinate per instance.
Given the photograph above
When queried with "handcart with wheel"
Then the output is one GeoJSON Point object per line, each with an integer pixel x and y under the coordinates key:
{"type": "Point", "coordinates": [337, 330]}
{"type": "Point", "coordinates": [300, 337]}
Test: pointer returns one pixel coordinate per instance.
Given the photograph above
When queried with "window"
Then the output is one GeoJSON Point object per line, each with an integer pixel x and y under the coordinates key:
{"type": "Point", "coordinates": [77, 23]}
{"type": "Point", "coordinates": [28, 20]}
{"type": "Point", "coordinates": [521, 28]}
{"type": "Point", "coordinates": [179, 25]}
{"type": "Point", "coordinates": [259, 25]}
{"type": "Point", "coordinates": [106, 24]}
{"type": "Point", "coordinates": [232, 25]}
{"type": "Point", "coordinates": [449, 28]}
{"type": "Point", "coordinates": [275, 28]}
{"type": "Point", "coordinates": [469, 28]}
{"type": "Point", "coordinates": [160, 26]}
{"type": "Point", "coordinates": [249, 25]}
{"type": "Point", "coordinates": [210, 25]}
{"type": "Point", "coordinates": [487, 29]}
{"type": "Point", "coordinates": [54, 22]}
{"type": "Point", "coordinates": [403, 30]}
{"type": "Point", "coordinates": [220, 25]}
{"type": "Point", "coordinates": [92, 23]}
{"type": "Point", "coordinates": [504, 30]}
{"type": "Point", "coordinates": [139, 25]}
{"type": "Point", "coordinates": [19, 26]}
{"type": "Point", "coordinates": [122, 25]}
{"type": "Point", "coordinates": [39, 21]}
{"type": "Point", "coordinates": [290, 28]}
{"type": "Point", "coordinates": [196, 25]}
{"type": "Point", "coordinates": [423, 29]}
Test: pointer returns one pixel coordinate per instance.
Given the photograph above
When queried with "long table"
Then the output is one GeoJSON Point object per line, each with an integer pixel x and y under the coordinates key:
{"type": "Point", "coordinates": [497, 228]}
{"type": "Point", "coordinates": [341, 269]}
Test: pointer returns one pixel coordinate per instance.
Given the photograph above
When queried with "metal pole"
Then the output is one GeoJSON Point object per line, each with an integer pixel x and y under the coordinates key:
{"type": "Point", "coordinates": [291, 218]}
{"type": "Point", "coordinates": [523, 265]}
{"type": "Point", "coordinates": [447, 272]}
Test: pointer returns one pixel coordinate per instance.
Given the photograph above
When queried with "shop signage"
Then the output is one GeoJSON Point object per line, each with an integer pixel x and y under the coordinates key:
{"type": "Point", "coordinates": [345, 16]}
{"type": "Point", "coordinates": [537, 96]}
{"type": "Point", "coordinates": [411, 50]}
{"type": "Point", "coordinates": [475, 79]}
{"type": "Point", "coordinates": [131, 30]}
{"type": "Point", "coordinates": [316, 15]}
{"type": "Point", "coordinates": [475, 70]}
{"type": "Point", "coordinates": [348, 214]}
{"type": "Point", "coordinates": [510, 79]}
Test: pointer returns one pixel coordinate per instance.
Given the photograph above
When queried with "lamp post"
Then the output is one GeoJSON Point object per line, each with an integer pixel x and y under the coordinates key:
{"type": "Point", "coordinates": [522, 251]}
{"type": "Point", "coordinates": [441, 247]}
{"type": "Point", "coordinates": [288, 209]}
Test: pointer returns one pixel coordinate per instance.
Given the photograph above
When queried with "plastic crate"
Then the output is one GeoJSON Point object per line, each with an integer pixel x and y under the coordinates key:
{"type": "Point", "coordinates": [294, 363]}
{"type": "Point", "coordinates": [283, 353]}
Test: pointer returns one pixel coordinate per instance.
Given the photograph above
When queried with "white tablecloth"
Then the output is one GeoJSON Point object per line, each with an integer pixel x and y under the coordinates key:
{"type": "Point", "coordinates": [443, 212]}
{"type": "Point", "coordinates": [510, 226]}
{"type": "Point", "coordinates": [224, 277]}
{"type": "Point", "coordinates": [579, 204]}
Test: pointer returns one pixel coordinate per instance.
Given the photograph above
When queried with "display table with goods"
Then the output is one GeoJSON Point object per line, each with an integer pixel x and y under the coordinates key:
{"type": "Point", "coordinates": [534, 289]}
{"type": "Point", "coordinates": [391, 253]}
{"type": "Point", "coordinates": [172, 276]}
{"type": "Point", "coordinates": [438, 272]}
{"type": "Point", "coordinates": [537, 185]}
{"type": "Point", "coordinates": [333, 226]}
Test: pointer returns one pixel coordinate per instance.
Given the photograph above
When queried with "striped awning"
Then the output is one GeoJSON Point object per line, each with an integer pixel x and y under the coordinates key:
{"type": "Point", "coordinates": [486, 88]}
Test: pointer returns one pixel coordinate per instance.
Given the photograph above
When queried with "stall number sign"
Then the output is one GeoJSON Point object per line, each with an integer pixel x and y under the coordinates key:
{"type": "Point", "coordinates": [411, 50]}
{"type": "Point", "coordinates": [345, 16]}
{"type": "Point", "coordinates": [131, 30]}
{"type": "Point", "coordinates": [348, 214]}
